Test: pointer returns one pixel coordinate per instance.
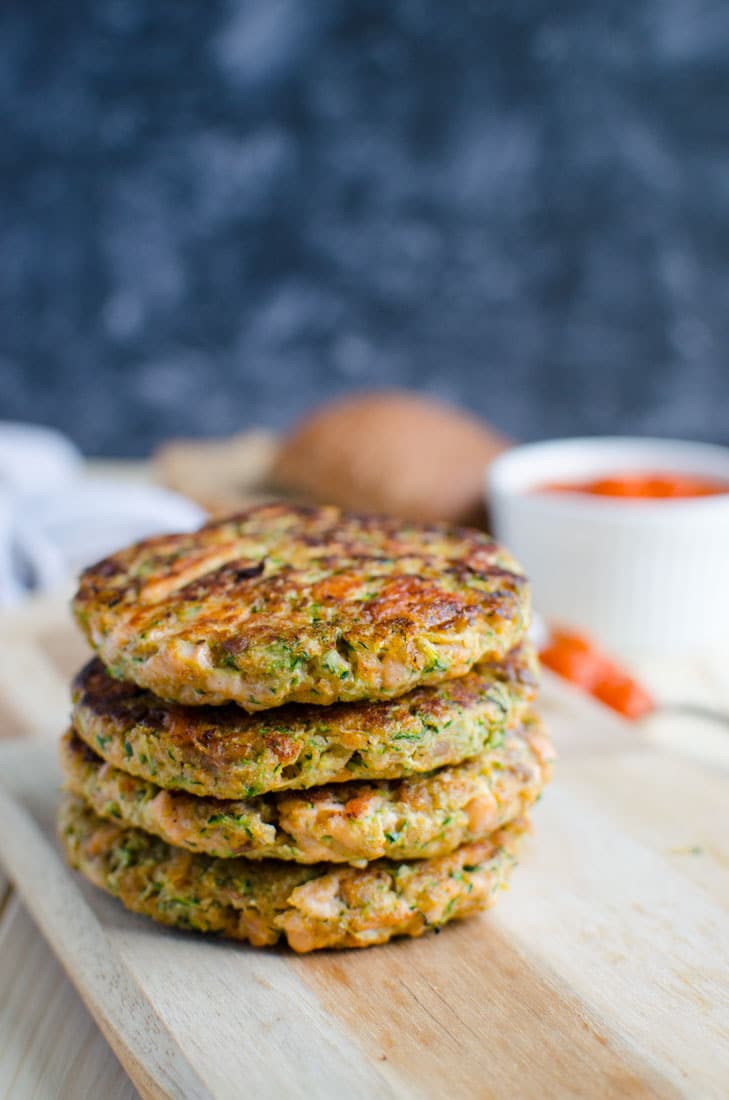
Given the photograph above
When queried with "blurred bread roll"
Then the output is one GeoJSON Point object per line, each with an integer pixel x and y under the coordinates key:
{"type": "Point", "coordinates": [392, 452]}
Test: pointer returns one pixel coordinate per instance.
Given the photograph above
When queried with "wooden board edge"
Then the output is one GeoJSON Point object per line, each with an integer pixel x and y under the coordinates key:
{"type": "Point", "coordinates": [148, 1052]}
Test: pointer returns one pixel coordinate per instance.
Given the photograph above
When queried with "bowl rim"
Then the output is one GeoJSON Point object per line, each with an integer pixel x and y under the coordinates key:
{"type": "Point", "coordinates": [510, 474]}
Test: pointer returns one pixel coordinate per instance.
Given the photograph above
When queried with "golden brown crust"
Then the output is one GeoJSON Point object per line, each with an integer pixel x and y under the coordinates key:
{"type": "Point", "coordinates": [316, 906]}
{"type": "Point", "coordinates": [226, 753]}
{"type": "Point", "coordinates": [283, 604]}
{"type": "Point", "coordinates": [417, 818]}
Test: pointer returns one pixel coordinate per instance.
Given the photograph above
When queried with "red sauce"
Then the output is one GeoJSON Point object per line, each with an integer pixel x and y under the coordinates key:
{"type": "Point", "coordinates": [644, 486]}
{"type": "Point", "coordinates": [577, 658]}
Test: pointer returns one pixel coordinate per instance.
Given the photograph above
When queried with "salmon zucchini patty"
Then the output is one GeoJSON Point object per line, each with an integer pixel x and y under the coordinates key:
{"type": "Point", "coordinates": [226, 753]}
{"type": "Point", "coordinates": [308, 605]}
{"type": "Point", "coordinates": [416, 818]}
{"type": "Point", "coordinates": [315, 906]}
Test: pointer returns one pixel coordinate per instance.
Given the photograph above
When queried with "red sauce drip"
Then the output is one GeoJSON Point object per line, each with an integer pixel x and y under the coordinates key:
{"type": "Point", "coordinates": [578, 659]}
{"type": "Point", "coordinates": [644, 486]}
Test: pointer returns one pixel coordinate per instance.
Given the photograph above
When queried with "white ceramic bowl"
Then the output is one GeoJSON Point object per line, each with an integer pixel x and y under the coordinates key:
{"type": "Point", "coordinates": [641, 574]}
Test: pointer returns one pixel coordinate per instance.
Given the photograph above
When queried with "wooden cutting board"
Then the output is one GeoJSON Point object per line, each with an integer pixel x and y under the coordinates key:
{"type": "Point", "coordinates": [602, 972]}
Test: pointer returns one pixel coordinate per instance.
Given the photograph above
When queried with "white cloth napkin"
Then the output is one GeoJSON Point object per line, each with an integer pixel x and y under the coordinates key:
{"type": "Point", "coordinates": [54, 520]}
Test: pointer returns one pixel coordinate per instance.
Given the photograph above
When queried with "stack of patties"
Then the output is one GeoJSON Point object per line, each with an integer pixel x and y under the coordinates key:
{"type": "Point", "coordinates": [303, 724]}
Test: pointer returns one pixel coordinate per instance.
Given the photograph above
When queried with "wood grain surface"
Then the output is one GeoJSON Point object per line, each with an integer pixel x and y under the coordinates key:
{"type": "Point", "coordinates": [49, 1043]}
{"type": "Point", "coordinates": [602, 972]}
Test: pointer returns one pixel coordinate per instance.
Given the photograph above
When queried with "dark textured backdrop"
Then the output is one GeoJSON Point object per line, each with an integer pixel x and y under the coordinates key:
{"type": "Point", "coordinates": [216, 213]}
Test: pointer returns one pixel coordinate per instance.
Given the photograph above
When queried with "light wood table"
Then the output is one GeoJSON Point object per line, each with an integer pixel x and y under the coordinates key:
{"type": "Point", "coordinates": [49, 1045]}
